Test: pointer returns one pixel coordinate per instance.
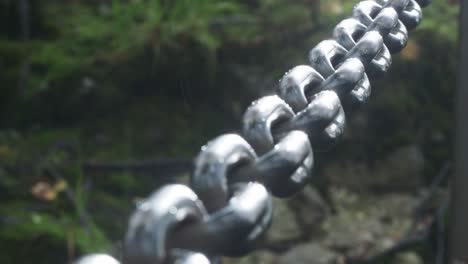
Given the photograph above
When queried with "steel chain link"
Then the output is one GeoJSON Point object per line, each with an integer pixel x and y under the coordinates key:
{"type": "Point", "coordinates": [229, 207]}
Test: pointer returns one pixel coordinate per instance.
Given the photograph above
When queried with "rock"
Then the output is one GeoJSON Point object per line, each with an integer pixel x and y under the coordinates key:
{"type": "Point", "coordinates": [257, 257]}
{"type": "Point", "coordinates": [399, 171]}
{"type": "Point", "coordinates": [312, 253]}
{"type": "Point", "coordinates": [284, 225]}
{"type": "Point", "coordinates": [366, 225]}
{"type": "Point", "coordinates": [408, 258]}
{"type": "Point", "coordinates": [402, 169]}
{"type": "Point", "coordinates": [294, 217]}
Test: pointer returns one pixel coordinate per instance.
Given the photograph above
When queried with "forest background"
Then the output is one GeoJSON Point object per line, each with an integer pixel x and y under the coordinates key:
{"type": "Point", "coordinates": [103, 101]}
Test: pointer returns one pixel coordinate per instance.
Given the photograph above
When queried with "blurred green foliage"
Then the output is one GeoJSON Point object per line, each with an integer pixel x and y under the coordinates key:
{"type": "Point", "coordinates": [134, 79]}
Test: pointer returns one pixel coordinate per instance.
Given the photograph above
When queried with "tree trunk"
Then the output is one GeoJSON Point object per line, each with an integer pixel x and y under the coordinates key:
{"type": "Point", "coordinates": [459, 199]}
{"type": "Point", "coordinates": [25, 27]}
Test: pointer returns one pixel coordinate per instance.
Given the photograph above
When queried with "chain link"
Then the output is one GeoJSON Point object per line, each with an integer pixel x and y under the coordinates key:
{"type": "Point", "coordinates": [229, 206]}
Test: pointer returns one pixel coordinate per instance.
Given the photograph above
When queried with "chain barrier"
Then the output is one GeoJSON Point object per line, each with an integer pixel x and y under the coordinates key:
{"type": "Point", "coordinates": [229, 206]}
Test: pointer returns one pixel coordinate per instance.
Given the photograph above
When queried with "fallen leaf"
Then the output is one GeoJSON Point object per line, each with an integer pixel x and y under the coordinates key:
{"type": "Point", "coordinates": [412, 50]}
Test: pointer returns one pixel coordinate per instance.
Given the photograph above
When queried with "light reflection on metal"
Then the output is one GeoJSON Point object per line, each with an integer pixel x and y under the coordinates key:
{"type": "Point", "coordinates": [150, 225]}
{"type": "Point", "coordinates": [210, 179]}
{"type": "Point", "coordinates": [97, 259]}
{"type": "Point", "coordinates": [261, 117]}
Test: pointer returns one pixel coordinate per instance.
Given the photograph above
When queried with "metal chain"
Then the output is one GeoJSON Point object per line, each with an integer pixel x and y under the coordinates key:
{"type": "Point", "coordinates": [229, 207]}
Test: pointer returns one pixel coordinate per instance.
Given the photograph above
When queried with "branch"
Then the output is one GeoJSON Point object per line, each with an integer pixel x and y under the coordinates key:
{"type": "Point", "coordinates": [171, 165]}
